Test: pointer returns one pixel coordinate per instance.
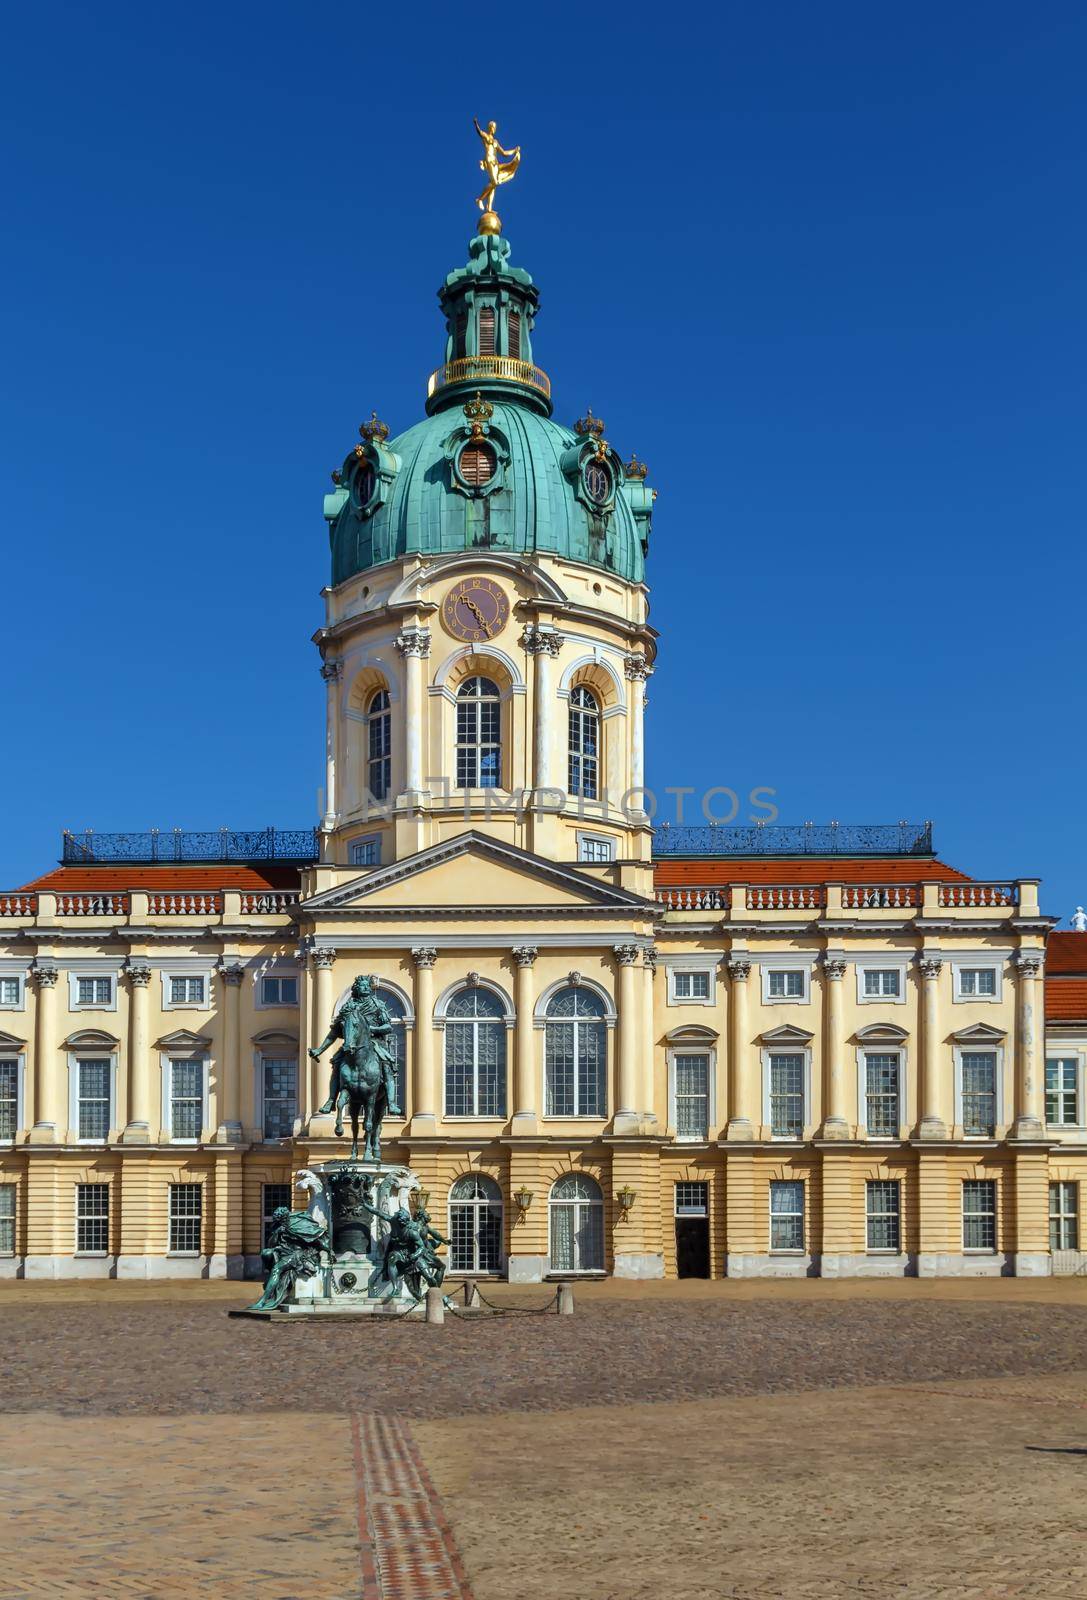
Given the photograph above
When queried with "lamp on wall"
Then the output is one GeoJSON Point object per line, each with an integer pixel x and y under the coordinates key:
{"type": "Point", "coordinates": [624, 1199]}
{"type": "Point", "coordinates": [422, 1197]}
{"type": "Point", "coordinates": [523, 1198]}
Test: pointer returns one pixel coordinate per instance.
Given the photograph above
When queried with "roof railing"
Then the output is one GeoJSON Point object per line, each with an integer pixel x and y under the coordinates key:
{"type": "Point", "coordinates": [800, 839]}
{"type": "Point", "coordinates": [178, 844]}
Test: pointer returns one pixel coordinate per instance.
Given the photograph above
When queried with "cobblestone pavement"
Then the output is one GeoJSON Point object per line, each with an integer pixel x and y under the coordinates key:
{"type": "Point", "coordinates": [658, 1447]}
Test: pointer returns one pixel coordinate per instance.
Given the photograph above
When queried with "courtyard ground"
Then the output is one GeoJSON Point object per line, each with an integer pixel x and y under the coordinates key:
{"type": "Point", "coordinates": [809, 1440]}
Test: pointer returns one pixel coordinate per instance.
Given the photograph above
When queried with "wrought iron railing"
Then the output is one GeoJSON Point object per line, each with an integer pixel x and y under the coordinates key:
{"type": "Point", "coordinates": [178, 844]}
{"type": "Point", "coordinates": [506, 369]}
{"type": "Point", "coordinates": [803, 839]}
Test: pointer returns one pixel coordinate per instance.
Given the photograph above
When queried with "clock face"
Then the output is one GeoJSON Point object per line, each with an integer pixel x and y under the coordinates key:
{"type": "Point", "coordinates": [475, 609]}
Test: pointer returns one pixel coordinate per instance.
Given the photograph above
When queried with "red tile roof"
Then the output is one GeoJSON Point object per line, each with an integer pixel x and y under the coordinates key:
{"type": "Point", "coordinates": [708, 871]}
{"type": "Point", "coordinates": [1066, 999]}
{"type": "Point", "coordinates": [230, 875]}
{"type": "Point", "coordinates": [1066, 952]}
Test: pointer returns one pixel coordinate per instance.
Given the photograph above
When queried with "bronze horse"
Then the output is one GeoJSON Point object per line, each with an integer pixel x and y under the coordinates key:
{"type": "Point", "coordinates": [360, 1074]}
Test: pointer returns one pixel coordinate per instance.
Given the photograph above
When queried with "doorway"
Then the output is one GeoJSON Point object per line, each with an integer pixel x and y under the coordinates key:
{"type": "Point", "coordinates": [692, 1230]}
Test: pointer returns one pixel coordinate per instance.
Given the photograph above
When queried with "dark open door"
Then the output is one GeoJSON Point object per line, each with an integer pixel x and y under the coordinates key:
{"type": "Point", "coordinates": [693, 1247]}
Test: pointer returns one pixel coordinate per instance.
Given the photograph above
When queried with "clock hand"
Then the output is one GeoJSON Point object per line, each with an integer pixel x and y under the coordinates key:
{"type": "Point", "coordinates": [476, 612]}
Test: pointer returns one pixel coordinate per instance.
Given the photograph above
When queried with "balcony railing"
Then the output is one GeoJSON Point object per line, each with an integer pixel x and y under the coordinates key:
{"type": "Point", "coordinates": [177, 844]}
{"type": "Point", "coordinates": [92, 905]}
{"type": "Point", "coordinates": [978, 894]}
{"type": "Point", "coordinates": [264, 902]}
{"type": "Point", "coordinates": [693, 899]}
{"type": "Point", "coordinates": [786, 897]}
{"type": "Point", "coordinates": [18, 905]}
{"type": "Point", "coordinates": [504, 369]}
{"type": "Point", "coordinates": [880, 896]}
{"type": "Point", "coordinates": [804, 839]}
{"type": "Point", "coordinates": [180, 904]}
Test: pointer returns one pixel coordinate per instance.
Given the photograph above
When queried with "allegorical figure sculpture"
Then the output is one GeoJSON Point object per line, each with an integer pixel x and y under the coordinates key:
{"type": "Point", "coordinates": [293, 1251]}
{"type": "Point", "coordinates": [497, 171]}
{"type": "Point", "coordinates": [410, 1253]}
{"type": "Point", "coordinates": [363, 1068]}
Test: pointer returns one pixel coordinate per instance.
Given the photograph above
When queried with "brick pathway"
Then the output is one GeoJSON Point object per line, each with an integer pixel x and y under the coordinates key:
{"type": "Point", "coordinates": [406, 1549]}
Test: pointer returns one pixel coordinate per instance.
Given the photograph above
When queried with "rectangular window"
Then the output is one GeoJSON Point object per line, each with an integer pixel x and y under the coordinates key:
{"type": "Point", "coordinates": [7, 1219]}
{"type": "Point", "coordinates": [691, 985]}
{"type": "Point", "coordinates": [93, 1098]}
{"type": "Point", "coordinates": [882, 982]}
{"type": "Point", "coordinates": [692, 1095]}
{"type": "Point", "coordinates": [590, 849]}
{"type": "Point", "coordinates": [486, 330]}
{"type": "Point", "coordinates": [11, 991]}
{"type": "Point", "coordinates": [1060, 1091]}
{"type": "Point", "coordinates": [366, 852]}
{"type": "Point", "coordinates": [882, 1202]}
{"type": "Point", "coordinates": [92, 1218]}
{"type": "Point", "coordinates": [786, 1096]}
{"type": "Point", "coordinates": [186, 991]}
{"type": "Point", "coordinates": [979, 1214]}
{"type": "Point", "coordinates": [979, 1093]}
{"type": "Point", "coordinates": [692, 1199]}
{"type": "Point", "coordinates": [9, 1098]}
{"type": "Point", "coordinates": [272, 1196]}
{"type": "Point", "coordinates": [279, 1089]}
{"type": "Point", "coordinates": [186, 1211]}
{"type": "Point", "coordinates": [786, 983]}
{"type": "Point", "coordinates": [881, 1074]}
{"type": "Point", "coordinates": [1063, 1216]}
{"type": "Point", "coordinates": [186, 1099]}
{"type": "Point", "coordinates": [94, 991]}
{"type": "Point", "coordinates": [279, 991]}
{"type": "Point", "coordinates": [786, 1215]}
{"type": "Point", "coordinates": [977, 982]}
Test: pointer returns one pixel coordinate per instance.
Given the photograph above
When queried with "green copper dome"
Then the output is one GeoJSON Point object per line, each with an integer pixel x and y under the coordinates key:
{"type": "Point", "coordinates": [488, 468]}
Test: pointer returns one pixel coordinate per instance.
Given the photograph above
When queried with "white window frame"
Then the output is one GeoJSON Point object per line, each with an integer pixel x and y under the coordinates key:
{"type": "Point", "coordinates": [601, 1206]}
{"type": "Point", "coordinates": [19, 1057]}
{"type": "Point", "coordinates": [1077, 1058]}
{"type": "Point", "coordinates": [795, 1251]}
{"type": "Point", "coordinates": [90, 1053]}
{"type": "Point", "coordinates": [276, 976]}
{"type": "Point", "coordinates": [269, 1051]}
{"type": "Point", "coordinates": [17, 977]}
{"type": "Point", "coordinates": [785, 964]}
{"type": "Point", "coordinates": [1061, 1214]}
{"type": "Point", "coordinates": [8, 1182]}
{"type": "Point", "coordinates": [265, 1214]}
{"type": "Point", "coordinates": [361, 841]}
{"type": "Point", "coordinates": [961, 964]}
{"type": "Point", "coordinates": [167, 1059]}
{"type": "Point", "coordinates": [708, 968]}
{"type": "Point", "coordinates": [695, 1047]}
{"type": "Point", "coordinates": [74, 1002]}
{"type": "Point", "coordinates": [94, 1183]}
{"type": "Point", "coordinates": [786, 1048]}
{"type": "Point", "coordinates": [595, 839]}
{"type": "Point", "coordinates": [879, 1047]}
{"type": "Point", "coordinates": [185, 1183]}
{"type": "Point", "coordinates": [883, 1249]}
{"type": "Point", "coordinates": [876, 964]}
{"type": "Point", "coordinates": [477, 1206]}
{"type": "Point", "coordinates": [187, 973]}
{"type": "Point", "coordinates": [981, 1249]}
{"type": "Point", "coordinates": [981, 1047]}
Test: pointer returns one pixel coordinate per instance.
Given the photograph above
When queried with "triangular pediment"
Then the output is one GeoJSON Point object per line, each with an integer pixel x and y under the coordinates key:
{"type": "Point", "coordinates": [786, 1034]}
{"type": "Point", "coordinates": [980, 1033]}
{"type": "Point", "coordinates": [8, 1041]}
{"type": "Point", "coordinates": [448, 877]}
{"type": "Point", "coordinates": [184, 1040]}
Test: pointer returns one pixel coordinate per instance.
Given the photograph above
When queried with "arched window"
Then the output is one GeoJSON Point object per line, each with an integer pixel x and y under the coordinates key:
{"type": "Point", "coordinates": [379, 743]}
{"type": "Point", "coordinates": [397, 1039]}
{"type": "Point", "coordinates": [475, 1225]}
{"type": "Point", "coordinates": [514, 325]}
{"type": "Point", "coordinates": [486, 331]}
{"type": "Point", "coordinates": [475, 1055]}
{"type": "Point", "coordinates": [584, 743]}
{"type": "Point", "coordinates": [479, 743]}
{"type": "Point", "coordinates": [577, 1224]}
{"type": "Point", "coordinates": [575, 1055]}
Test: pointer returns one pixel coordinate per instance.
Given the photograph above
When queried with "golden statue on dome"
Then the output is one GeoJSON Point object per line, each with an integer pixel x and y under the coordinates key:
{"type": "Point", "coordinates": [497, 172]}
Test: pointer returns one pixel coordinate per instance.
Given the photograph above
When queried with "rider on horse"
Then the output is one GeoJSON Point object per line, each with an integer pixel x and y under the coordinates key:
{"type": "Point", "coordinates": [362, 1007]}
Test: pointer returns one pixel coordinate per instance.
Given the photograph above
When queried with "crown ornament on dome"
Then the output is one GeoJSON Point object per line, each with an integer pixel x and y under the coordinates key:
{"type": "Point", "coordinates": [590, 425]}
{"type": "Point", "coordinates": [374, 430]}
{"type": "Point", "coordinates": [478, 411]}
{"type": "Point", "coordinates": [636, 469]}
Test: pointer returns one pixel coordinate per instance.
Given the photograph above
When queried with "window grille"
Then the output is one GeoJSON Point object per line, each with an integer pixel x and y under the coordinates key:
{"type": "Point", "coordinates": [279, 1095]}
{"type": "Point", "coordinates": [595, 849]}
{"type": "Point", "coordinates": [1064, 1216]}
{"type": "Point", "coordinates": [10, 991]}
{"type": "Point", "coordinates": [475, 1225]}
{"type": "Point", "coordinates": [92, 1218]}
{"type": "Point", "coordinates": [475, 1055]}
{"type": "Point", "coordinates": [94, 991]}
{"type": "Point", "coordinates": [186, 991]}
{"type": "Point", "coordinates": [691, 985]}
{"type": "Point", "coordinates": [514, 324]}
{"type": "Point", "coordinates": [576, 1208]}
{"type": "Point", "coordinates": [584, 763]}
{"type": "Point", "coordinates": [186, 1099]}
{"type": "Point", "coordinates": [979, 1092]}
{"type": "Point", "coordinates": [885, 982]}
{"type": "Point", "coordinates": [881, 1072]}
{"type": "Point", "coordinates": [882, 1212]}
{"type": "Point", "coordinates": [575, 1055]}
{"type": "Point", "coordinates": [1061, 1107]}
{"type": "Point", "coordinates": [977, 981]}
{"type": "Point", "coordinates": [692, 1199]}
{"type": "Point", "coordinates": [477, 464]}
{"type": "Point", "coordinates": [479, 745]}
{"type": "Point", "coordinates": [397, 1040]}
{"type": "Point", "coordinates": [486, 331]}
{"type": "Point", "coordinates": [93, 1095]}
{"type": "Point", "coordinates": [186, 1212]}
{"type": "Point", "coordinates": [7, 1219]}
{"type": "Point", "coordinates": [787, 1096]}
{"type": "Point", "coordinates": [9, 1098]}
{"type": "Point", "coordinates": [785, 984]}
{"type": "Point", "coordinates": [272, 1197]}
{"type": "Point", "coordinates": [692, 1113]}
{"type": "Point", "coordinates": [786, 1214]}
{"type": "Point", "coordinates": [379, 744]}
{"type": "Point", "coordinates": [979, 1214]}
{"type": "Point", "coordinates": [279, 991]}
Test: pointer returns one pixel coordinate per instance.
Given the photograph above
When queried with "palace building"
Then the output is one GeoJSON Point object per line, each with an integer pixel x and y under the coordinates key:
{"type": "Point", "coordinates": [622, 1049]}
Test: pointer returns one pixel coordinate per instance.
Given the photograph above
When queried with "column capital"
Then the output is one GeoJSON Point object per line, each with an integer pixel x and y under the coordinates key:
{"type": "Point", "coordinates": [413, 641]}
{"type": "Point", "coordinates": [1029, 963]}
{"type": "Point", "coordinates": [424, 955]}
{"type": "Point", "coordinates": [524, 954]}
{"type": "Point", "coordinates": [323, 958]}
{"type": "Point", "coordinates": [45, 974]}
{"type": "Point", "coordinates": [625, 954]}
{"type": "Point", "coordinates": [835, 968]}
{"type": "Point", "coordinates": [930, 966]}
{"type": "Point", "coordinates": [739, 968]}
{"type": "Point", "coordinates": [636, 666]}
{"type": "Point", "coordinates": [539, 641]}
{"type": "Point", "coordinates": [138, 973]}
{"type": "Point", "coordinates": [332, 671]}
{"type": "Point", "coordinates": [649, 957]}
{"type": "Point", "coordinates": [232, 973]}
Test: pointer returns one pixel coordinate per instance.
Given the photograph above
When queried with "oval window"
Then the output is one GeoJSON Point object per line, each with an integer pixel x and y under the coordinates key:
{"type": "Point", "coordinates": [597, 482]}
{"type": "Point", "coordinates": [364, 485]}
{"type": "Point", "coordinates": [477, 464]}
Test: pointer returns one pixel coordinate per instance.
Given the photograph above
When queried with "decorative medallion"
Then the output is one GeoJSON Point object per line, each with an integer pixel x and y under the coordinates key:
{"type": "Point", "coordinates": [475, 609]}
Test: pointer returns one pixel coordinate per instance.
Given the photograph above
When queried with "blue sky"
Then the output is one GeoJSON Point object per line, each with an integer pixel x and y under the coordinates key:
{"type": "Point", "coordinates": [822, 267]}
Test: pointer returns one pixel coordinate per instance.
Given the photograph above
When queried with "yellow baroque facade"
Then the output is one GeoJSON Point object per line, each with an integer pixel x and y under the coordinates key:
{"type": "Point", "coordinates": [621, 1051]}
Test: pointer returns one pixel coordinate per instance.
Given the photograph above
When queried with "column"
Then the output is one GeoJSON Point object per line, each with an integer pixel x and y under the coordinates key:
{"type": "Point", "coordinates": [322, 962]}
{"type": "Point", "coordinates": [1029, 1104]}
{"type": "Point", "coordinates": [742, 1101]}
{"type": "Point", "coordinates": [835, 1125]}
{"type": "Point", "coordinates": [629, 1020]}
{"type": "Point", "coordinates": [932, 1125]}
{"type": "Point", "coordinates": [544, 644]}
{"type": "Point", "coordinates": [423, 1097]}
{"type": "Point", "coordinates": [524, 1083]}
{"type": "Point", "coordinates": [331, 672]}
{"type": "Point", "coordinates": [637, 670]}
{"type": "Point", "coordinates": [649, 1037]}
{"type": "Point", "coordinates": [229, 1130]}
{"type": "Point", "coordinates": [414, 645]}
{"type": "Point", "coordinates": [141, 1107]}
{"type": "Point", "coordinates": [48, 1091]}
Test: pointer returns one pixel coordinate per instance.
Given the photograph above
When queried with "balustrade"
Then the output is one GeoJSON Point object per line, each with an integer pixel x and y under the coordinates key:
{"type": "Point", "coordinates": [693, 899]}
{"type": "Point", "coordinates": [18, 905]}
{"type": "Point", "coordinates": [92, 905]}
{"type": "Point", "coordinates": [786, 897]}
{"type": "Point", "coordinates": [179, 904]}
{"type": "Point", "coordinates": [267, 901]}
{"type": "Point", "coordinates": [880, 896]}
{"type": "Point", "coordinates": [978, 894]}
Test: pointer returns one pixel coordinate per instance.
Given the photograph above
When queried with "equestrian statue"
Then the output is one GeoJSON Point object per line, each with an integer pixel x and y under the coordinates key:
{"type": "Point", "coordinates": [363, 1068]}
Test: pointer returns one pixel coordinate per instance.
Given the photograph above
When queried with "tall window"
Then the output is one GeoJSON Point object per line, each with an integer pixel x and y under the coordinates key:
{"type": "Point", "coordinates": [279, 1095]}
{"type": "Point", "coordinates": [475, 1055]}
{"type": "Point", "coordinates": [93, 1098]}
{"type": "Point", "coordinates": [1063, 1216]}
{"type": "Point", "coordinates": [1060, 1091]}
{"type": "Point", "coordinates": [379, 744]}
{"type": "Point", "coordinates": [9, 1098]}
{"type": "Point", "coordinates": [272, 1197]}
{"type": "Point", "coordinates": [584, 777]}
{"type": "Point", "coordinates": [882, 1202]}
{"type": "Point", "coordinates": [881, 1073]}
{"type": "Point", "coordinates": [514, 325]}
{"type": "Point", "coordinates": [460, 335]}
{"type": "Point", "coordinates": [475, 1225]}
{"type": "Point", "coordinates": [397, 1040]}
{"type": "Point", "coordinates": [979, 1092]}
{"type": "Point", "coordinates": [7, 1219]}
{"type": "Point", "coordinates": [786, 1214]}
{"type": "Point", "coordinates": [979, 1214]}
{"type": "Point", "coordinates": [692, 1076]}
{"type": "Point", "coordinates": [575, 1055]}
{"type": "Point", "coordinates": [486, 330]}
{"type": "Point", "coordinates": [186, 1098]}
{"type": "Point", "coordinates": [786, 1095]}
{"type": "Point", "coordinates": [576, 1211]}
{"type": "Point", "coordinates": [186, 1212]}
{"type": "Point", "coordinates": [479, 743]}
{"type": "Point", "coordinates": [92, 1218]}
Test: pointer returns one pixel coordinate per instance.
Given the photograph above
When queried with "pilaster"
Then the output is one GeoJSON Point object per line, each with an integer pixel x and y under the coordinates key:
{"type": "Point", "coordinates": [742, 1084]}
{"type": "Point", "coordinates": [932, 1124]}
{"type": "Point", "coordinates": [49, 1124]}
{"type": "Point", "coordinates": [140, 1084]}
{"type": "Point", "coordinates": [424, 1100]}
{"type": "Point", "coordinates": [524, 1082]}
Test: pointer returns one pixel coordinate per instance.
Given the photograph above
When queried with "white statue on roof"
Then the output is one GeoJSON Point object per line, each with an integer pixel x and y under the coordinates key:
{"type": "Point", "coordinates": [1079, 920]}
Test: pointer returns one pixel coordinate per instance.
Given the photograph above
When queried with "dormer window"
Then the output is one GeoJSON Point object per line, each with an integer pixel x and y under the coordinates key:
{"type": "Point", "coordinates": [486, 331]}
{"type": "Point", "coordinates": [477, 464]}
{"type": "Point", "coordinates": [460, 335]}
{"type": "Point", "coordinates": [364, 485]}
{"type": "Point", "coordinates": [597, 482]}
{"type": "Point", "coordinates": [514, 341]}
